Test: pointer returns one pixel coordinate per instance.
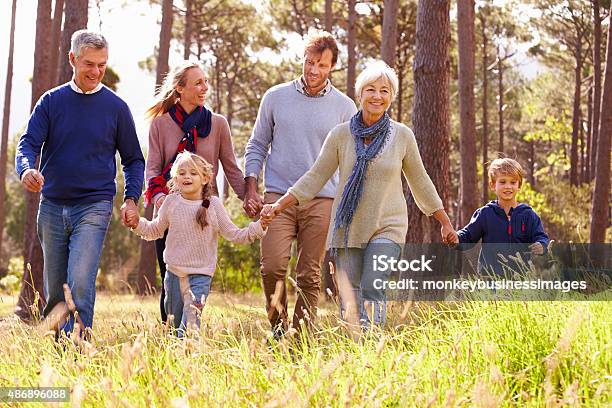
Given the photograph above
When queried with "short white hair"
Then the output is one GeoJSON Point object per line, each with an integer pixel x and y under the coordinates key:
{"type": "Point", "coordinates": [372, 73]}
{"type": "Point", "coordinates": [86, 39]}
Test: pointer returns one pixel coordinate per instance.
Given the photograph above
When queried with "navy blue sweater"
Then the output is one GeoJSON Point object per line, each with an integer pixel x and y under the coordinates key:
{"type": "Point", "coordinates": [500, 235]}
{"type": "Point", "coordinates": [79, 135]}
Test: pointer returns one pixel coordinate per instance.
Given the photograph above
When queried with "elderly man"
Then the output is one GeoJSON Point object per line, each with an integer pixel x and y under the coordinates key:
{"type": "Point", "coordinates": [293, 121]}
{"type": "Point", "coordinates": [77, 128]}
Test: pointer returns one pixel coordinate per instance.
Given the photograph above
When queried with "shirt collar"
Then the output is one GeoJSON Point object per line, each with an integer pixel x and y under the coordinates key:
{"type": "Point", "coordinates": [300, 86]}
{"type": "Point", "coordinates": [76, 89]}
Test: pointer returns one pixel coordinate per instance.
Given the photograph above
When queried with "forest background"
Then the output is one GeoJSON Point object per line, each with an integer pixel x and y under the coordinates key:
{"type": "Point", "coordinates": [531, 80]}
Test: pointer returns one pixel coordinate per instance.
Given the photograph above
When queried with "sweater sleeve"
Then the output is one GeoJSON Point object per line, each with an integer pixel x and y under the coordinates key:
{"type": "Point", "coordinates": [132, 159]}
{"type": "Point", "coordinates": [228, 160]}
{"type": "Point", "coordinates": [471, 233]}
{"type": "Point", "coordinates": [155, 229]}
{"type": "Point", "coordinates": [422, 188]}
{"type": "Point", "coordinates": [230, 231]}
{"type": "Point", "coordinates": [30, 143]}
{"type": "Point", "coordinates": [307, 187]}
{"type": "Point", "coordinates": [257, 147]}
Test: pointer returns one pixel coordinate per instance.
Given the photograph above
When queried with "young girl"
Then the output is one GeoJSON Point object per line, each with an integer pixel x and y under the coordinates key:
{"type": "Point", "coordinates": [194, 219]}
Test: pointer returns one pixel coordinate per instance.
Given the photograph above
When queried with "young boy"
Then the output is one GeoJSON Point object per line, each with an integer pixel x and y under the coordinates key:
{"type": "Point", "coordinates": [505, 226]}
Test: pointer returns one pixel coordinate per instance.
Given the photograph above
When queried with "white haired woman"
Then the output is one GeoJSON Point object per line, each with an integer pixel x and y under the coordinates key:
{"type": "Point", "coordinates": [369, 211]}
{"type": "Point", "coordinates": [180, 122]}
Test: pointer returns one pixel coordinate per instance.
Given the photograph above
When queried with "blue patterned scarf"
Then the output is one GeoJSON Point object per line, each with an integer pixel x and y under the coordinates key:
{"type": "Point", "coordinates": [353, 190]}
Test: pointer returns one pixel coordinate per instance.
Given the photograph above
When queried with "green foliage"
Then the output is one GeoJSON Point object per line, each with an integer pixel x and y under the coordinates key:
{"type": "Point", "coordinates": [15, 204]}
{"type": "Point", "coordinates": [237, 265]}
{"type": "Point", "coordinates": [562, 222]}
{"type": "Point", "coordinates": [12, 281]}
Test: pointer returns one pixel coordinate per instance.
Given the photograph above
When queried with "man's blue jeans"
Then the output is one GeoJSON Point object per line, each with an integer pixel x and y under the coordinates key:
{"type": "Point", "coordinates": [356, 276]}
{"type": "Point", "coordinates": [183, 296]}
{"type": "Point", "coordinates": [72, 237]}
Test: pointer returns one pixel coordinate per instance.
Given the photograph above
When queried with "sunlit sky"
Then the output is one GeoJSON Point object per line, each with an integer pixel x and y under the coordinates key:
{"type": "Point", "coordinates": [132, 29]}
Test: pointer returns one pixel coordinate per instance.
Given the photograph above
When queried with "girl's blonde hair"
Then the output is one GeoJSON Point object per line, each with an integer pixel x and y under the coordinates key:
{"type": "Point", "coordinates": [167, 95]}
{"type": "Point", "coordinates": [205, 170]}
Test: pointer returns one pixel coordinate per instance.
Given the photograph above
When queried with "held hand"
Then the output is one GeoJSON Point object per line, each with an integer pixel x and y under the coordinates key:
{"type": "Point", "coordinates": [449, 235]}
{"type": "Point", "coordinates": [268, 212]}
{"type": "Point", "coordinates": [252, 201]}
{"type": "Point", "coordinates": [128, 206]}
{"type": "Point", "coordinates": [33, 180]}
{"type": "Point", "coordinates": [536, 248]}
{"type": "Point", "coordinates": [264, 223]}
{"type": "Point", "coordinates": [132, 218]}
{"type": "Point", "coordinates": [253, 204]}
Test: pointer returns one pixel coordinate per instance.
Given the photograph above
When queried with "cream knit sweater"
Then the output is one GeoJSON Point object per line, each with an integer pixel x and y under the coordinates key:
{"type": "Point", "coordinates": [189, 248]}
{"type": "Point", "coordinates": [381, 212]}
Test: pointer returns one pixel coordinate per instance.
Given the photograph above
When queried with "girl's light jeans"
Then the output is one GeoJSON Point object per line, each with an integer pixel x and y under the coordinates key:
{"type": "Point", "coordinates": [185, 299]}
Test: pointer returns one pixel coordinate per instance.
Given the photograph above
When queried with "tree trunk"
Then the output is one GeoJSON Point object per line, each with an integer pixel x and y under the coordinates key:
{"type": "Point", "coordinates": [485, 111]}
{"type": "Point", "coordinates": [187, 33]}
{"type": "Point", "coordinates": [329, 16]}
{"type": "Point", "coordinates": [352, 57]}
{"type": "Point", "coordinates": [576, 115]}
{"type": "Point", "coordinates": [531, 172]}
{"type": "Point", "coordinates": [389, 32]}
{"type": "Point", "coordinates": [31, 300]}
{"type": "Point", "coordinates": [54, 66]}
{"type": "Point", "coordinates": [500, 99]}
{"type": "Point", "coordinates": [400, 95]}
{"type": "Point", "coordinates": [468, 190]}
{"type": "Point", "coordinates": [5, 129]}
{"type": "Point", "coordinates": [596, 86]}
{"type": "Point", "coordinates": [581, 151]}
{"type": "Point", "coordinates": [75, 19]}
{"type": "Point", "coordinates": [165, 35]}
{"type": "Point", "coordinates": [430, 115]}
{"type": "Point", "coordinates": [217, 87]}
{"type": "Point", "coordinates": [600, 212]}
{"type": "Point", "coordinates": [589, 133]}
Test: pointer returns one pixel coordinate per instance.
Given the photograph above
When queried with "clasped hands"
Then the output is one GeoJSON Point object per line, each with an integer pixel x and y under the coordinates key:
{"type": "Point", "coordinates": [129, 214]}
{"type": "Point", "coordinates": [268, 212]}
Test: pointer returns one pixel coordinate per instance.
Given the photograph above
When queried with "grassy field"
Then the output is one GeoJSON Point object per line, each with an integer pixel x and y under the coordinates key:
{"type": "Point", "coordinates": [460, 355]}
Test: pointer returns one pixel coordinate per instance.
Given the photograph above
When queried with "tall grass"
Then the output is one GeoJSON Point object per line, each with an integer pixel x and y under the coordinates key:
{"type": "Point", "coordinates": [463, 354]}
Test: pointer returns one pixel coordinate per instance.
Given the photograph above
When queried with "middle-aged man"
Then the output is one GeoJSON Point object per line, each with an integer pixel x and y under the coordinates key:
{"type": "Point", "coordinates": [77, 128]}
{"type": "Point", "coordinates": [293, 122]}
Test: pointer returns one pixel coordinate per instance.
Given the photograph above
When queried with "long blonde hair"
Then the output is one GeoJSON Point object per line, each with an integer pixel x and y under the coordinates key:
{"type": "Point", "coordinates": [167, 95]}
{"type": "Point", "coordinates": [205, 170]}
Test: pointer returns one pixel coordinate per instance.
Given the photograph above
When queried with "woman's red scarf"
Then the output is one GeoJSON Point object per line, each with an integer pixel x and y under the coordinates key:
{"type": "Point", "coordinates": [194, 125]}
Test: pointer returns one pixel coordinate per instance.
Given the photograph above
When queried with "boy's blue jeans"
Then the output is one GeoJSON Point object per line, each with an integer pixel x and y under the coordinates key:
{"type": "Point", "coordinates": [183, 296]}
{"type": "Point", "coordinates": [72, 237]}
{"type": "Point", "coordinates": [356, 276]}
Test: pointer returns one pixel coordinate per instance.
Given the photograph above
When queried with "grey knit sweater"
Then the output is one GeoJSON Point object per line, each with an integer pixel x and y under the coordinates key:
{"type": "Point", "coordinates": [288, 135]}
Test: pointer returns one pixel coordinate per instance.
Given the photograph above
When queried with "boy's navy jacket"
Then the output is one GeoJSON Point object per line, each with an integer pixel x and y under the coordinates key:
{"type": "Point", "coordinates": [501, 235]}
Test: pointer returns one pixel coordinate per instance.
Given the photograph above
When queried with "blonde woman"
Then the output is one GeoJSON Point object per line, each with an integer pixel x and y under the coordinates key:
{"type": "Point", "coordinates": [181, 122]}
